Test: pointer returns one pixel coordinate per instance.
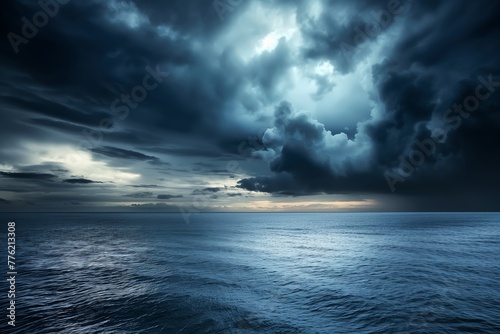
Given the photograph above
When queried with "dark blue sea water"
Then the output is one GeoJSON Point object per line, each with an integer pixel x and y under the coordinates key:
{"type": "Point", "coordinates": [255, 273]}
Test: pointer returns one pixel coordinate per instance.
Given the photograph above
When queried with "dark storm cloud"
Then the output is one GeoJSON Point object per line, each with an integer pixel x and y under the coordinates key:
{"type": "Point", "coordinates": [93, 61]}
{"type": "Point", "coordinates": [409, 100]}
{"type": "Point", "coordinates": [57, 111]}
{"type": "Point", "coordinates": [423, 82]}
{"type": "Point", "coordinates": [28, 176]}
{"type": "Point", "coordinates": [167, 197]}
{"type": "Point", "coordinates": [86, 57]}
{"type": "Point", "coordinates": [63, 83]}
{"type": "Point", "coordinates": [341, 40]}
{"type": "Point", "coordinates": [52, 167]}
{"type": "Point", "coordinates": [304, 163]}
{"type": "Point", "coordinates": [140, 195]}
{"type": "Point", "coordinates": [428, 71]}
{"type": "Point", "coordinates": [308, 183]}
{"type": "Point", "coordinates": [118, 153]}
{"type": "Point", "coordinates": [270, 68]}
{"type": "Point", "coordinates": [206, 191]}
{"type": "Point", "coordinates": [80, 181]}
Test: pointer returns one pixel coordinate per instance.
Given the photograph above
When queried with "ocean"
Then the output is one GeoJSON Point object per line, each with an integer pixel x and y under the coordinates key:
{"type": "Point", "coordinates": [254, 273]}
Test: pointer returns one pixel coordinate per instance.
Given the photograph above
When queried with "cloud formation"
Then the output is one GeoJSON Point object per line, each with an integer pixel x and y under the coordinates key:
{"type": "Point", "coordinates": [80, 181]}
{"type": "Point", "coordinates": [280, 99]}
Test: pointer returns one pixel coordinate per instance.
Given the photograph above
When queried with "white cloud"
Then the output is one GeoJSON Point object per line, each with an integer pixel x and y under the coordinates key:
{"type": "Point", "coordinates": [126, 13]}
{"type": "Point", "coordinates": [79, 163]}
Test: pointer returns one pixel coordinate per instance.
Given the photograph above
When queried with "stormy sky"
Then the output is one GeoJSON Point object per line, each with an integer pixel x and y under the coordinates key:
{"type": "Point", "coordinates": [250, 105]}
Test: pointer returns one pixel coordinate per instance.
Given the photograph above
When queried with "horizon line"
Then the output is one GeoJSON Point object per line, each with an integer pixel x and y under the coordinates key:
{"type": "Point", "coordinates": [174, 212]}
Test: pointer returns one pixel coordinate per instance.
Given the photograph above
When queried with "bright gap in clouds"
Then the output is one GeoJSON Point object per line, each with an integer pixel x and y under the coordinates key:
{"type": "Point", "coordinates": [79, 163]}
{"type": "Point", "coordinates": [281, 27]}
{"type": "Point", "coordinates": [268, 43]}
{"type": "Point", "coordinates": [258, 30]}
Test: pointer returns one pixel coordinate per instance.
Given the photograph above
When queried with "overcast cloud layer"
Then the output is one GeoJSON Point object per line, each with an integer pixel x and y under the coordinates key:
{"type": "Point", "coordinates": [249, 105]}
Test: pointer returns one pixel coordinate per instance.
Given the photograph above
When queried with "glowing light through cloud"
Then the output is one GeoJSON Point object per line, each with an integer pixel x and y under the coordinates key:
{"type": "Point", "coordinates": [80, 163]}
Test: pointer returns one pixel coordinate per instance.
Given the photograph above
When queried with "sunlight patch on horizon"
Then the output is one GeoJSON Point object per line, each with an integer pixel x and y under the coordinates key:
{"type": "Point", "coordinates": [312, 206]}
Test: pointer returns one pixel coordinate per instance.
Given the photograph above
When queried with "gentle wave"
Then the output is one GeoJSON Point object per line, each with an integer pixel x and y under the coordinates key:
{"type": "Point", "coordinates": [264, 273]}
